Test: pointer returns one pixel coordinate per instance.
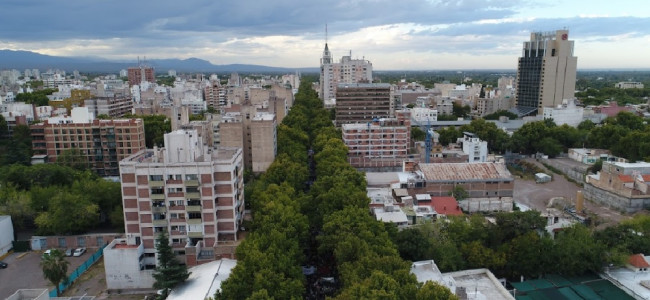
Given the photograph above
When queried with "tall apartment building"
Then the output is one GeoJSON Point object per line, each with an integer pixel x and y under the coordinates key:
{"type": "Point", "coordinates": [194, 193]}
{"type": "Point", "coordinates": [347, 70]}
{"type": "Point", "coordinates": [362, 102]}
{"type": "Point", "coordinates": [382, 143]}
{"type": "Point", "coordinates": [256, 133]}
{"type": "Point", "coordinates": [114, 106]}
{"type": "Point", "coordinates": [103, 142]}
{"type": "Point", "coordinates": [264, 137]}
{"type": "Point", "coordinates": [141, 74]}
{"type": "Point", "coordinates": [214, 94]}
{"type": "Point", "coordinates": [546, 72]}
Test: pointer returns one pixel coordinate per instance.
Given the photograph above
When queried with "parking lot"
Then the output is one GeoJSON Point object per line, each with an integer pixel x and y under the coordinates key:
{"type": "Point", "coordinates": [537, 196]}
{"type": "Point", "coordinates": [24, 271]}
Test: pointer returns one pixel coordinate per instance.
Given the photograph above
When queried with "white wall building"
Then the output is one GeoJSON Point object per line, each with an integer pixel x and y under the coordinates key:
{"type": "Point", "coordinates": [125, 264]}
{"type": "Point", "coordinates": [422, 115]}
{"type": "Point", "coordinates": [6, 234]}
{"type": "Point", "coordinates": [348, 70]}
{"type": "Point", "coordinates": [473, 147]}
{"type": "Point", "coordinates": [566, 113]}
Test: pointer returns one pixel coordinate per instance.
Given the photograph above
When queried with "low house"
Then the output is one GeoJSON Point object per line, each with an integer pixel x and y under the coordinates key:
{"type": "Point", "coordinates": [6, 235]}
{"type": "Point", "coordinates": [542, 178]}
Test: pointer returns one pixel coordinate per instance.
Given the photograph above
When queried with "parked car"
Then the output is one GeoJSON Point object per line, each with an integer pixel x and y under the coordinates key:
{"type": "Point", "coordinates": [47, 252]}
{"type": "Point", "coordinates": [3, 265]}
{"type": "Point", "coordinates": [69, 252]}
{"type": "Point", "coordinates": [79, 251]}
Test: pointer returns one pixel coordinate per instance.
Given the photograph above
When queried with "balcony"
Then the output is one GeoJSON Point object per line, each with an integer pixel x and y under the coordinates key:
{"type": "Point", "coordinates": [160, 222]}
{"type": "Point", "coordinates": [156, 183]}
{"type": "Point", "coordinates": [174, 181]}
{"type": "Point", "coordinates": [195, 221]}
{"type": "Point", "coordinates": [172, 220]}
{"type": "Point", "coordinates": [193, 195]}
{"type": "Point", "coordinates": [195, 234]}
{"type": "Point", "coordinates": [159, 209]}
{"type": "Point", "coordinates": [176, 194]}
{"type": "Point", "coordinates": [191, 183]}
{"type": "Point", "coordinates": [157, 196]}
{"type": "Point", "coordinates": [193, 208]}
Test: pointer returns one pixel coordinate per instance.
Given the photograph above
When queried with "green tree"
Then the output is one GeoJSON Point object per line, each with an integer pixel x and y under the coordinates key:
{"type": "Point", "coordinates": [68, 213]}
{"type": "Point", "coordinates": [155, 127]}
{"type": "Point", "coordinates": [169, 271]}
{"type": "Point", "coordinates": [73, 158]}
{"type": "Point", "coordinates": [4, 129]}
{"type": "Point", "coordinates": [434, 291]}
{"type": "Point", "coordinates": [459, 193]}
{"type": "Point", "coordinates": [417, 134]}
{"type": "Point", "coordinates": [55, 268]}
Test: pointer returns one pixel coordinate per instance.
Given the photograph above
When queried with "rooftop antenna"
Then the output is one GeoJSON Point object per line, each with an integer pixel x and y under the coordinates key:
{"type": "Point", "coordinates": [325, 33]}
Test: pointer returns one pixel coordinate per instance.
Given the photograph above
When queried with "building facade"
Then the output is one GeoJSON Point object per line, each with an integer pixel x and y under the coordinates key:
{"type": "Point", "coordinates": [382, 143]}
{"type": "Point", "coordinates": [347, 70]}
{"type": "Point", "coordinates": [620, 185]}
{"type": "Point", "coordinates": [194, 193]}
{"type": "Point", "coordinates": [546, 72]}
{"type": "Point", "coordinates": [115, 106]}
{"type": "Point", "coordinates": [103, 143]}
{"type": "Point", "coordinates": [264, 136]}
{"type": "Point", "coordinates": [489, 186]}
{"type": "Point", "coordinates": [137, 75]}
{"type": "Point", "coordinates": [362, 102]}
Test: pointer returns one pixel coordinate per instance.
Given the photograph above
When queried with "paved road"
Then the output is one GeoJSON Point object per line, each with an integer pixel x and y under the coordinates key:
{"type": "Point", "coordinates": [537, 196]}
{"type": "Point", "coordinates": [24, 272]}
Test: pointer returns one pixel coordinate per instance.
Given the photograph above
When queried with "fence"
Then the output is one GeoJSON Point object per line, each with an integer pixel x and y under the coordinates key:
{"type": "Point", "coordinates": [77, 272]}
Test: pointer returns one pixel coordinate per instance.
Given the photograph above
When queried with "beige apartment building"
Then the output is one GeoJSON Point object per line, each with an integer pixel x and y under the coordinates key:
{"type": "Point", "coordinates": [194, 193]}
{"type": "Point", "coordinates": [347, 70]}
{"type": "Point", "coordinates": [256, 133]}
{"type": "Point", "coordinates": [546, 72]}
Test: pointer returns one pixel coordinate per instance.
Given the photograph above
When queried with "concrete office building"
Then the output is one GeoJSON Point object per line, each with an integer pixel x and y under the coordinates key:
{"type": "Point", "coordinates": [362, 102]}
{"type": "Point", "coordinates": [194, 193]}
{"type": "Point", "coordinates": [102, 142]}
{"type": "Point", "coordinates": [546, 72]}
{"type": "Point", "coordinates": [347, 70]}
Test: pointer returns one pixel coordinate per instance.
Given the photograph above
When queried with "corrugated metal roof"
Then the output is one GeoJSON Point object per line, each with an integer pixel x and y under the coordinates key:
{"type": "Point", "coordinates": [464, 171]}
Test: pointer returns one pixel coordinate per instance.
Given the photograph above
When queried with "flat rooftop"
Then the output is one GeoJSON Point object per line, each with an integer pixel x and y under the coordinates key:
{"type": "Point", "coordinates": [147, 156]}
{"type": "Point", "coordinates": [481, 281]}
{"type": "Point", "coordinates": [204, 280]}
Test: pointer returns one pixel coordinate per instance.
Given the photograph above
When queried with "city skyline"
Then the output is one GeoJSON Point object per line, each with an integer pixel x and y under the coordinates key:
{"type": "Point", "coordinates": [405, 35]}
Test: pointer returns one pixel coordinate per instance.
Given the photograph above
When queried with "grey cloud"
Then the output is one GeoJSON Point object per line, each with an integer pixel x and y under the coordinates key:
{"type": "Point", "coordinates": [82, 19]}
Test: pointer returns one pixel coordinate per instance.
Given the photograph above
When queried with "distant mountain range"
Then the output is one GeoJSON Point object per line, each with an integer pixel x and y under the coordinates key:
{"type": "Point", "coordinates": [21, 60]}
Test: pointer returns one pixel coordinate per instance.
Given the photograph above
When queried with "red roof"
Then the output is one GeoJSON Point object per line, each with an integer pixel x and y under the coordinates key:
{"type": "Point", "coordinates": [447, 206]}
{"type": "Point", "coordinates": [638, 261]}
{"type": "Point", "coordinates": [626, 178]}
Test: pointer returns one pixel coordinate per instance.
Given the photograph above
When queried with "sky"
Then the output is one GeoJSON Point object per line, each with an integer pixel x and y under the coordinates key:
{"type": "Point", "coordinates": [393, 35]}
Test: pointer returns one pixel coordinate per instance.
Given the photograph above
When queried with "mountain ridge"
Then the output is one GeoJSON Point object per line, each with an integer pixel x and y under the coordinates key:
{"type": "Point", "coordinates": [20, 60]}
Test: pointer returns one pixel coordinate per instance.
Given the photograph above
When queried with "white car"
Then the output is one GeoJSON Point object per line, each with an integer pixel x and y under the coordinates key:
{"type": "Point", "coordinates": [79, 251]}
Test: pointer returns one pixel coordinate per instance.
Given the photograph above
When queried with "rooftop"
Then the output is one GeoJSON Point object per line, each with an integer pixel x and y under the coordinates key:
{"type": "Point", "coordinates": [147, 156]}
{"type": "Point", "coordinates": [447, 206]}
{"type": "Point", "coordinates": [204, 280]}
{"type": "Point", "coordinates": [465, 171]}
{"type": "Point", "coordinates": [638, 261]}
{"type": "Point", "coordinates": [364, 85]}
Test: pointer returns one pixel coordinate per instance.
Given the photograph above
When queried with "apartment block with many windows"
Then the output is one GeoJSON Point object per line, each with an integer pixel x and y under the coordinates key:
{"type": "Point", "coordinates": [194, 193]}
{"type": "Point", "coordinates": [103, 143]}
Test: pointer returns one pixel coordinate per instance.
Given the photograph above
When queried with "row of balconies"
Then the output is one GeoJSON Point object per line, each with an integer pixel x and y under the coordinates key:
{"type": "Point", "coordinates": [160, 183]}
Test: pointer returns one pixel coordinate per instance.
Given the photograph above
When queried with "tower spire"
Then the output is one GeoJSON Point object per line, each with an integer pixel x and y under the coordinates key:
{"type": "Point", "coordinates": [325, 33]}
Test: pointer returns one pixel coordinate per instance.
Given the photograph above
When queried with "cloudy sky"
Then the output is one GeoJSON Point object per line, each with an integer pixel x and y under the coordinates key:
{"type": "Point", "coordinates": [393, 35]}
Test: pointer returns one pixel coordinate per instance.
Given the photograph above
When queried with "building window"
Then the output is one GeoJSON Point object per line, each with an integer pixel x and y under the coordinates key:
{"type": "Point", "coordinates": [81, 241]}
{"type": "Point", "coordinates": [62, 243]}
